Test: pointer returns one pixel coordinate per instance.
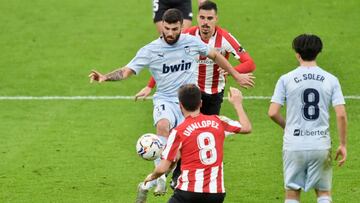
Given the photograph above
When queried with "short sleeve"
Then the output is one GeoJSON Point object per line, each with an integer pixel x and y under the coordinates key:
{"type": "Point", "coordinates": [140, 61]}
{"type": "Point", "coordinates": [230, 126]}
{"type": "Point", "coordinates": [172, 146]}
{"type": "Point", "coordinates": [279, 92]}
{"type": "Point", "coordinates": [337, 95]}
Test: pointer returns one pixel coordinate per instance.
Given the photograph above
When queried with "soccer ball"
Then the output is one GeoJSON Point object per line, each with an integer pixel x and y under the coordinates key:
{"type": "Point", "coordinates": [149, 146]}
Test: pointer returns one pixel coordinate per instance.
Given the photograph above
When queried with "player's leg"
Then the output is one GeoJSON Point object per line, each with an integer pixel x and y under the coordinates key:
{"type": "Point", "coordinates": [167, 115]}
{"type": "Point", "coordinates": [211, 103]}
{"type": "Point", "coordinates": [294, 174]}
{"type": "Point", "coordinates": [323, 196]}
{"type": "Point", "coordinates": [292, 196]}
{"type": "Point", "coordinates": [320, 174]}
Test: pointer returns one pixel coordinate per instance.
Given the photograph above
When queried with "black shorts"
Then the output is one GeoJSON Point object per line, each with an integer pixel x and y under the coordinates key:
{"type": "Point", "coordinates": [211, 103]}
{"type": "Point", "coordinates": [180, 196]}
{"type": "Point", "coordinates": [160, 6]}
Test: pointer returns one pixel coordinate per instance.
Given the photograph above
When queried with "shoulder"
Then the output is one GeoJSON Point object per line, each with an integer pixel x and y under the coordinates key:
{"type": "Point", "coordinates": [328, 74]}
{"type": "Point", "coordinates": [192, 30]}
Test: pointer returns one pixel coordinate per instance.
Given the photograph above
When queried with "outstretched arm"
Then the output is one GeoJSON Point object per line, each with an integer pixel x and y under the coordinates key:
{"type": "Point", "coordinates": [245, 80]}
{"type": "Point", "coordinates": [341, 119]}
{"type": "Point", "coordinates": [160, 169]}
{"type": "Point", "coordinates": [118, 74]}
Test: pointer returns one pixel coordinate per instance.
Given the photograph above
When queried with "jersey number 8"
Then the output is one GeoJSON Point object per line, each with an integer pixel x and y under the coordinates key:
{"type": "Point", "coordinates": [310, 107]}
{"type": "Point", "coordinates": [206, 144]}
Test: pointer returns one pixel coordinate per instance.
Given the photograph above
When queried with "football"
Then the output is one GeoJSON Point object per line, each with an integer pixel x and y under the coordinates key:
{"type": "Point", "coordinates": [149, 146]}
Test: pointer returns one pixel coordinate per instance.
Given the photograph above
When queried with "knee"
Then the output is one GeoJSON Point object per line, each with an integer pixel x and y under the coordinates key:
{"type": "Point", "coordinates": [163, 127]}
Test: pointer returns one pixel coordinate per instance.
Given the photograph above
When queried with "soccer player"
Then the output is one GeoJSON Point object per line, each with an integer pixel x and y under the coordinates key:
{"type": "Point", "coordinates": [160, 6]}
{"type": "Point", "coordinates": [199, 141]}
{"type": "Point", "coordinates": [171, 61]}
{"type": "Point", "coordinates": [210, 78]}
{"type": "Point", "coordinates": [308, 91]}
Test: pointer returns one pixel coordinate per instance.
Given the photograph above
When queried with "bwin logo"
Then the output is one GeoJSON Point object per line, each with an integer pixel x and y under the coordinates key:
{"type": "Point", "coordinates": [177, 67]}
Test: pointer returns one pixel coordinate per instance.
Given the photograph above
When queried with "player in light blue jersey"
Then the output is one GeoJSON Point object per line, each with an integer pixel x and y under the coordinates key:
{"type": "Point", "coordinates": [171, 60]}
{"type": "Point", "coordinates": [308, 92]}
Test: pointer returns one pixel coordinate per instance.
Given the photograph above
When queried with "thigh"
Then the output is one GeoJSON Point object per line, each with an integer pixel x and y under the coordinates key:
{"type": "Point", "coordinates": [294, 167]}
{"type": "Point", "coordinates": [211, 103]}
{"type": "Point", "coordinates": [167, 110]}
{"type": "Point", "coordinates": [319, 171]}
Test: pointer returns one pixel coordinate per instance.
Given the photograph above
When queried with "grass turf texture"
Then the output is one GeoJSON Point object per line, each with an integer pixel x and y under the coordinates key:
{"type": "Point", "coordinates": [84, 151]}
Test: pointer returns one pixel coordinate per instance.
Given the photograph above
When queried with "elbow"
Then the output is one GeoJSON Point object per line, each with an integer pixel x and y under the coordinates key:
{"type": "Point", "coordinates": [252, 66]}
{"type": "Point", "coordinates": [272, 114]}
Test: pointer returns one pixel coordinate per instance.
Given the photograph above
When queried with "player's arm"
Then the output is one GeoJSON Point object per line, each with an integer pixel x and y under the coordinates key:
{"type": "Point", "coordinates": [245, 80]}
{"type": "Point", "coordinates": [145, 92]}
{"type": "Point", "coordinates": [341, 119]}
{"type": "Point", "coordinates": [246, 65]}
{"type": "Point", "coordinates": [118, 74]}
{"type": "Point", "coordinates": [159, 170]}
{"type": "Point", "coordinates": [275, 114]}
{"type": "Point", "coordinates": [235, 98]}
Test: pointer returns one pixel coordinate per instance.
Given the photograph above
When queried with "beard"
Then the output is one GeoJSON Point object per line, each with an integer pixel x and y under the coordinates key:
{"type": "Point", "coordinates": [172, 40]}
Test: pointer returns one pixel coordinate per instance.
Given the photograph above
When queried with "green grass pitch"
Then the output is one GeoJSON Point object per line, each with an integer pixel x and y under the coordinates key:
{"type": "Point", "coordinates": [84, 150]}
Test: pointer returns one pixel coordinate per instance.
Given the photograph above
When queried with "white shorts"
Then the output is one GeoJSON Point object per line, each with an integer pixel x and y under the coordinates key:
{"type": "Point", "coordinates": [307, 169]}
{"type": "Point", "coordinates": [167, 110]}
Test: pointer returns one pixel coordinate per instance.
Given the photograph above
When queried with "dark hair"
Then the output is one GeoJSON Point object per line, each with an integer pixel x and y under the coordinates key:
{"type": "Point", "coordinates": [308, 46]}
{"type": "Point", "coordinates": [173, 15]}
{"type": "Point", "coordinates": [208, 5]}
{"type": "Point", "coordinates": [190, 97]}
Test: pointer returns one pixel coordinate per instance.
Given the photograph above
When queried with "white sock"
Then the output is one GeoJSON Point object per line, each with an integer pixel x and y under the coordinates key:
{"type": "Point", "coordinates": [163, 139]}
{"type": "Point", "coordinates": [163, 142]}
{"type": "Point", "coordinates": [324, 199]}
{"type": "Point", "coordinates": [291, 201]}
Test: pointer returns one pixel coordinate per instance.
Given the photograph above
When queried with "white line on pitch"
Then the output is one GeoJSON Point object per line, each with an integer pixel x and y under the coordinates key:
{"type": "Point", "coordinates": [355, 97]}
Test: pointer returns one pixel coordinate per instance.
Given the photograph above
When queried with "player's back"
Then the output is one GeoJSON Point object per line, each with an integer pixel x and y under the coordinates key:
{"type": "Point", "coordinates": [202, 154]}
{"type": "Point", "coordinates": [309, 92]}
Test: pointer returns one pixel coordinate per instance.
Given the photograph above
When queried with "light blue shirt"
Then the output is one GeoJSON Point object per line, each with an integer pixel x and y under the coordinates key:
{"type": "Point", "coordinates": [170, 65]}
{"type": "Point", "coordinates": [308, 93]}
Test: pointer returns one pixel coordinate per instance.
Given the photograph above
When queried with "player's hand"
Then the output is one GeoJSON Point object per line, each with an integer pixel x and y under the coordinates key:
{"type": "Point", "coordinates": [96, 76]}
{"type": "Point", "coordinates": [145, 92]}
{"type": "Point", "coordinates": [235, 96]}
{"type": "Point", "coordinates": [341, 151]}
{"type": "Point", "coordinates": [223, 72]}
{"type": "Point", "coordinates": [246, 80]}
{"type": "Point", "coordinates": [149, 178]}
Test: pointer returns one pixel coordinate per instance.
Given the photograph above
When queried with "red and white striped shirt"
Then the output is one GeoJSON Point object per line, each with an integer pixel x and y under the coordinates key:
{"type": "Point", "coordinates": [209, 79]}
{"type": "Point", "coordinates": [200, 141]}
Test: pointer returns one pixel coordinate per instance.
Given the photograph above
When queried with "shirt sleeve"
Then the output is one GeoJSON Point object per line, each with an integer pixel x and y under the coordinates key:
{"type": "Point", "coordinates": [230, 126]}
{"type": "Point", "coordinates": [140, 61]}
{"type": "Point", "coordinates": [279, 92]}
{"type": "Point", "coordinates": [337, 95]}
{"type": "Point", "coordinates": [172, 146]}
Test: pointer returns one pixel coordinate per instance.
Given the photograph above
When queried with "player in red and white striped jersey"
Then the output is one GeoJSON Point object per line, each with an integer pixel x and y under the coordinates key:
{"type": "Point", "coordinates": [211, 79]}
{"type": "Point", "coordinates": [199, 142]}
